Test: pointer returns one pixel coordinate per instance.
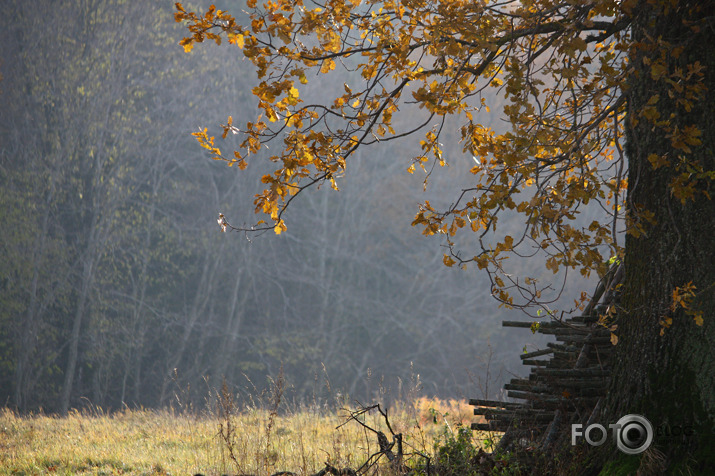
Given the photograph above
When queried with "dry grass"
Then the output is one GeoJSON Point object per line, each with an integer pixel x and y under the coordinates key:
{"type": "Point", "coordinates": [161, 442]}
{"type": "Point", "coordinates": [130, 442]}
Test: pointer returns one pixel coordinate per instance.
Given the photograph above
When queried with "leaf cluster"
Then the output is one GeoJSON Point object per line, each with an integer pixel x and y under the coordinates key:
{"type": "Point", "coordinates": [562, 67]}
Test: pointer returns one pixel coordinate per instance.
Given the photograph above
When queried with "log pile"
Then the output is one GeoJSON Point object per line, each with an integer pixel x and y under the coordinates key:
{"type": "Point", "coordinates": [568, 378]}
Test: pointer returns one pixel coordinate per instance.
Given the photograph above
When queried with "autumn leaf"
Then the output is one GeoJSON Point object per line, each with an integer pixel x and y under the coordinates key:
{"type": "Point", "coordinates": [561, 147]}
{"type": "Point", "coordinates": [448, 261]}
{"type": "Point", "coordinates": [280, 227]}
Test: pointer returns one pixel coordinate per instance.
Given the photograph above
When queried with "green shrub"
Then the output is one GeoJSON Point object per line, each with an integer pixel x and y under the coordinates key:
{"type": "Point", "coordinates": [456, 453]}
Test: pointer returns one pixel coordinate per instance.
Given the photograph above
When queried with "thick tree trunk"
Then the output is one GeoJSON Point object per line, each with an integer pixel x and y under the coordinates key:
{"type": "Point", "coordinates": [669, 378]}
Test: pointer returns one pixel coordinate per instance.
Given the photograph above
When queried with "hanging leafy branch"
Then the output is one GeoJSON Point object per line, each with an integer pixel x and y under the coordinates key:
{"type": "Point", "coordinates": [562, 66]}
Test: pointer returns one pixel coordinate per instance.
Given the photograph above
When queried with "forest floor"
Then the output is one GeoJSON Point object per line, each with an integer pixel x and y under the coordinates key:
{"type": "Point", "coordinates": [249, 440]}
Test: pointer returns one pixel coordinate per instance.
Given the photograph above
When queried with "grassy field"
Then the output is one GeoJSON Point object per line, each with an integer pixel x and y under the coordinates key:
{"type": "Point", "coordinates": [249, 440]}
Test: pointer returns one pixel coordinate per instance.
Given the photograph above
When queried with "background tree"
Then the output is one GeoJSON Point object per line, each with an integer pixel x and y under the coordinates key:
{"type": "Point", "coordinates": [98, 103]}
{"type": "Point", "coordinates": [577, 78]}
{"type": "Point", "coordinates": [87, 187]}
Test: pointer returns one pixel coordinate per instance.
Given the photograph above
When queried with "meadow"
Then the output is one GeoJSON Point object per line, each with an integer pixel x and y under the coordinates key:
{"type": "Point", "coordinates": [232, 440]}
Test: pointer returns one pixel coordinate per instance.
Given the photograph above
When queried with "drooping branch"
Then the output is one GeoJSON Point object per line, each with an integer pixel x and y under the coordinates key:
{"type": "Point", "coordinates": [564, 92]}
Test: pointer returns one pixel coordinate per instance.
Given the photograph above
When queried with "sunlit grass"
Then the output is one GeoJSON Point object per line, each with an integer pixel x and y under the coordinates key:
{"type": "Point", "coordinates": [161, 442]}
{"type": "Point", "coordinates": [129, 442]}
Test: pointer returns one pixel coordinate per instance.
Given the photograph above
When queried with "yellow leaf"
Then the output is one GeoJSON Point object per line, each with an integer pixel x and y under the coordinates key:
{"type": "Point", "coordinates": [448, 261]}
{"type": "Point", "coordinates": [482, 262]}
{"type": "Point", "coordinates": [698, 319]}
{"type": "Point", "coordinates": [552, 264]}
{"type": "Point", "coordinates": [280, 227]}
{"type": "Point", "coordinates": [657, 70]}
{"type": "Point", "coordinates": [509, 242]}
{"type": "Point", "coordinates": [657, 160]}
{"type": "Point", "coordinates": [614, 339]}
{"type": "Point", "coordinates": [328, 65]}
{"type": "Point", "coordinates": [237, 39]}
{"type": "Point", "coordinates": [294, 121]}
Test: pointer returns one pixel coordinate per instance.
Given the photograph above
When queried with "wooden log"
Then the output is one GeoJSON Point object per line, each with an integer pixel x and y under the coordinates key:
{"type": "Point", "coordinates": [557, 396]}
{"type": "Point", "coordinates": [601, 288]}
{"type": "Point", "coordinates": [524, 324]}
{"type": "Point", "coordinates": [582, 360]}
{"type": "Point", "coordinates": [522, 395]}
{"type": "Point", "coordinates": [590, 318]}
{"type": "Point", "coordinates": [527, 418]}
{"type": "Point", "coordinates": [578, 332]}
{"type": "Point", "coordinates": [527, 387]}
{"type": "Point", "coordinates": [551, 431]}
{"type": "Point", "coordinates": [567, 380]}
{"type": "Point", "coordinates": [560, 364]}
{"type": "Point", "coordinates": [489, 412]}
{"type": "Point", "coordinates": [561, 347]}
{"type": "Point", "coordinates": [612, 288]}
{"type": "Point", "coordinates": [527, 413]}
{"type": "Point", "coordinates": [575, 373]}
{"type": "Point", "coordinates": [491, 426]}
{"type": "Point", "coordinates": [594, 413]}
{"type": "Point", "coordinates": [565, 356]}
{"type": "Point", "coordinates": [492, 403]}
{"type": "Point", "coordinates": [574, 383]}
{"type": "Point", "coordinates": [537, 353]}
{"type": "Point", "coordinates": [582, 339]}
{"type": "Point", "coordinates": [550, 324]}
{"type": "Point", "coordinates": [537, 363]}
{"type": "Point", "coordinates": [569, 405]}
{"type": "Point", "coordinates": [581, 388]}
{"type": "Point", "coordinates": [566, 331]}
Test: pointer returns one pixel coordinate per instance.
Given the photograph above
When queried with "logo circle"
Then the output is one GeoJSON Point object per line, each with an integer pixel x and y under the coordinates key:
{"type": "Point", "coordinates": [588, 432]}
{"type": "Point", "coordinates": [634, 434]}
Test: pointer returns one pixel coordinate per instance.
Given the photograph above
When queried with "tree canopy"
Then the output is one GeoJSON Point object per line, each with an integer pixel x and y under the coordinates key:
{"type": "Point", "coordinates": [562, 67]}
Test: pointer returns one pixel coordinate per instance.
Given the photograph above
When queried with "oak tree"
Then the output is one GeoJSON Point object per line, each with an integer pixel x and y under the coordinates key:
{"type": "Point", "coordinates": [607, 106]}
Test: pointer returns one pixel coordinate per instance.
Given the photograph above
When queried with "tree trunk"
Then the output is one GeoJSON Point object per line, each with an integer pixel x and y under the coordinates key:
{"type": "Point", "coordinates": [669, 378]}
{"type": "Point", "coordinates": [198, 307]}
{"type": "Point", "coordinates": [28, 334]}
{"type": "Point", "coordinates": [80, 311]}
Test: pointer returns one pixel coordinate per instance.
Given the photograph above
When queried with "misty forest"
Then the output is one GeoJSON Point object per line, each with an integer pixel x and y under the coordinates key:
{"type": "Point", "coordinates": [118, 287]}
{"type": "Point", "coordinates": [350, 198]}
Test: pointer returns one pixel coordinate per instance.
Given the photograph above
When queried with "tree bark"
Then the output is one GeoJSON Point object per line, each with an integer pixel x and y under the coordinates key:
{"type": "Point", "coordinates": [669, 378]}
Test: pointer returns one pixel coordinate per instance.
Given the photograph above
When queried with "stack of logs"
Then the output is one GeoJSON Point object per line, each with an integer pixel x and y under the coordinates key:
{"type": "Point", "coordinates": [567, 387]}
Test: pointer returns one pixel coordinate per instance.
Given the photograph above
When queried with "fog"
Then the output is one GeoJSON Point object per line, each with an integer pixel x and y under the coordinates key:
{"type": "Point", "coordinates": [117, 287]}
